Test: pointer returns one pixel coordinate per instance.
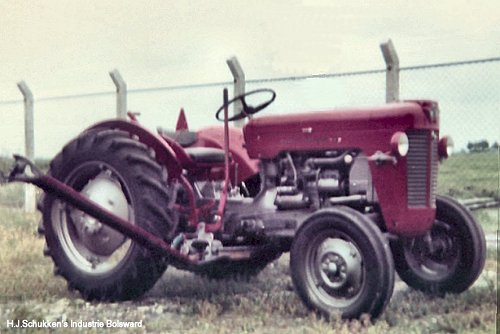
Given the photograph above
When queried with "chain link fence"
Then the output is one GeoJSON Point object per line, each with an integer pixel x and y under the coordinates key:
{"type": "Point", "coordinates": [467, 93]}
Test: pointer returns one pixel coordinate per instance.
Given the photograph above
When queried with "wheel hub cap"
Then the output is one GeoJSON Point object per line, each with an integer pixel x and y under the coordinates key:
{"type": "Point", "coordinates": [340, 265]}
{"type": "Point", "coordinates": [106, 192]}
{"type": "Point", "coordinates": [434, 255]}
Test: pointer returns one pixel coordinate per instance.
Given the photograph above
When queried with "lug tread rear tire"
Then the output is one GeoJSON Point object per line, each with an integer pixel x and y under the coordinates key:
{"type": "Point", "coordinates": [146, 182]}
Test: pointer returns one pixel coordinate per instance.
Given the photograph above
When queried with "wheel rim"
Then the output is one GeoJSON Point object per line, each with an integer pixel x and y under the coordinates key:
{"type": "Point", "coordinates": [91, 246]}
{"type": "Point", "coordinates": [335, 270]}
{"type": "Point", "coordinates": [436, 255]}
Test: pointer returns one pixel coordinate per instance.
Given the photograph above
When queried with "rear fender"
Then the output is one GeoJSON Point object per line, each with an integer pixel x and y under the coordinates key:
{"type": "Point", "coordinates": [164, 153]}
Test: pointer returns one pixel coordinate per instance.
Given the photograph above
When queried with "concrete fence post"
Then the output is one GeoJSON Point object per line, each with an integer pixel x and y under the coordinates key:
{"type": "Point", "coordinates": [121, 94]}
{"type": "Point", "coordinates": [29, 135]}
{"type": "Point", "coordinates": [392, 71]}
{"type": "Point", "coordinates": [239, 86]}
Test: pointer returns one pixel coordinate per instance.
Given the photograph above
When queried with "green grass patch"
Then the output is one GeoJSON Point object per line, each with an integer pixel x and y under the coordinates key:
{"type": "Point", "coordinates": [25, 273]}
{"type": "Point", "coordinates": [12, 195]}
{"type": "Point", "coordinates": [468, 175]}
{"type": "Point", "coordinates": [489, 219]}
{"type": "Point", "coordinates": [265, 304]}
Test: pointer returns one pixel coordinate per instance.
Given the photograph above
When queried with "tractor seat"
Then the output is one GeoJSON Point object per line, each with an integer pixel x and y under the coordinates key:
{"type": "Point", "coordinates": [184, 138]}
{"type": "Point", "coordinates": [207, 155]}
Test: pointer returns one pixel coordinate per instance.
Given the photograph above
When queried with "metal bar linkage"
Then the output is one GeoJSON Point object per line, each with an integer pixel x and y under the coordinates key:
{"type": "Point", "coordinates": [65, 193]}
{"type": "Point", "coordinates": [74, 198]}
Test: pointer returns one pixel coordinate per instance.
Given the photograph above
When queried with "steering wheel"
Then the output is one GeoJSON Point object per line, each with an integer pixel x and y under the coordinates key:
{"type": "Point", "coordinates": [247, 109]}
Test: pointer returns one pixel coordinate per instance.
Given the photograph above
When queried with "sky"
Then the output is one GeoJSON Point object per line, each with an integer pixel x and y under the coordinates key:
{"type": "Point", "coordinates": [62, 47]}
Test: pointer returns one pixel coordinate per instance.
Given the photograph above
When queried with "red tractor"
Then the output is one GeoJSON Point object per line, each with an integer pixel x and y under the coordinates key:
{"type": "Point", "coordinates": [350, 193]}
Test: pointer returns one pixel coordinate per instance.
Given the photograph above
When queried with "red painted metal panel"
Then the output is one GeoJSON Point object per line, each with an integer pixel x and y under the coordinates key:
{"type": "Point", "coordinates": [367, 129]}
{"type": "Point", "coordinates": [214, 137]}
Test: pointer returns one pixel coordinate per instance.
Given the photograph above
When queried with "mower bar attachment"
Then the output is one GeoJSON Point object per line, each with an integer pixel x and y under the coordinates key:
{"type": "Point", "coordinates": [65, 193]}
{"type": "Point", "coordinates": [18, 171]}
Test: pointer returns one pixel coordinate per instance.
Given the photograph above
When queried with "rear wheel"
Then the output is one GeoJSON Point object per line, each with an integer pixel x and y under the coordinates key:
{"type": "Point", "coordinates": [341, 264]}
{"type": "Point", "coordinates": [447, 259]}
{"type": "Point", "coordinates": [120, 174]}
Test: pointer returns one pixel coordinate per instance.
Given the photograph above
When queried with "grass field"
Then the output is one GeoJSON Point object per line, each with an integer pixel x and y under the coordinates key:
{"type": "Point", "coordinates": [470, 175]}
{"type": "Point", "coordinates": [191, 304]}
{"type": "Point", "coordinates": [184, 303]}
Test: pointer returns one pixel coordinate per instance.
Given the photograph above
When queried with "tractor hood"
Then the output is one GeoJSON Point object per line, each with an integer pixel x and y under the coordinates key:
{"type": "Point", "coordinates": [368, 129]}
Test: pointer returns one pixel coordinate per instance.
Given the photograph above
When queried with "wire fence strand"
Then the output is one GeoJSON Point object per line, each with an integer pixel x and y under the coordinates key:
{"type": "Point", "coordinates": [262, 80]}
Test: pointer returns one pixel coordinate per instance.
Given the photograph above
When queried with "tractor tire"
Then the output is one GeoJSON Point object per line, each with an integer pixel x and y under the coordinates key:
{"type": "Point", "coordinates": [448, 259]}
{"type": "Point", "coordinates": [341, 264]}
{"type": "Point", "coordinates": [241, 270]}
{"type": "Point", "coordinates": [120, 174]}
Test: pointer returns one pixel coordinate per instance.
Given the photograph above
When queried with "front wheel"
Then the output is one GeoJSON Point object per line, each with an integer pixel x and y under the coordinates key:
{"type": "Point", "coordinates": [447, 259]}
{"type": "Point", "coordinates": [342, 264]}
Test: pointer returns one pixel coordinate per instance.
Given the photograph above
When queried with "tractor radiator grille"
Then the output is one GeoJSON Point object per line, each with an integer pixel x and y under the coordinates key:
{"type": "Point", "coordinates": [434, 170]}
{"type": "Point", "coordinates": [422, 162]}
